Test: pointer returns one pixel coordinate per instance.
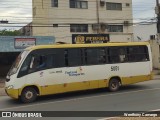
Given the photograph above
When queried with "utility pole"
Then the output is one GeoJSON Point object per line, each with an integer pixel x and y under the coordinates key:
{"type": "Point", "coordinates": [97, 10]}
{"type": "Point", "coordinates": [158, 17]}
{"type": "Point", "coordinates": [158, 30]}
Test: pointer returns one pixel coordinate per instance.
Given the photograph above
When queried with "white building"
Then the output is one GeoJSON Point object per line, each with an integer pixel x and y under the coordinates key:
{"type": "Point", "coordinates": [65, 19]}
{"type": "Point", "coordinates": [143, 32]}
{"type": "Point", "coordinates": [148, 32]}
{"type": "Point", "coordinates": [26, 30]}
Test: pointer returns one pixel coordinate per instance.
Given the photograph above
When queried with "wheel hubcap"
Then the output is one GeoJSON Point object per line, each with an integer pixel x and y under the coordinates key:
{"type": "Point", "coordinates": [114, 85]}
{"type": "Point", "coordinates": [29, 95]}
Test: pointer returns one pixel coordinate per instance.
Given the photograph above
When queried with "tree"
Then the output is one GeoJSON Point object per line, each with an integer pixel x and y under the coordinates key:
{"type": "Point", "coordinates": [9, 33]}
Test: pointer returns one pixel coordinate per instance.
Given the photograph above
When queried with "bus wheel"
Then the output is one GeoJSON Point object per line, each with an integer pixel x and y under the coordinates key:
{"type": "Point", "coordinates": [114, 84]}
{"type": "Point", "coordinates": [28, 95]}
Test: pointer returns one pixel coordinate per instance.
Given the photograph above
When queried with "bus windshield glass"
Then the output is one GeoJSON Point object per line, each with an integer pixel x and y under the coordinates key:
{"type": "Point", "coordinates": [17, 62]}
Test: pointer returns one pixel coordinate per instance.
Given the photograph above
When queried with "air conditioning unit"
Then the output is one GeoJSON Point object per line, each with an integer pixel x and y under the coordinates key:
{"type": "Point", "coordinates": [126, 23]}
{"type": "Point", "coordinates": [95, 26]}
{"type": "Point", "coordinates": [152, 37]}
{"type": "Point", "coordinates": [102, 2]}
{"type": "Point", "coordinates": [127, 5]}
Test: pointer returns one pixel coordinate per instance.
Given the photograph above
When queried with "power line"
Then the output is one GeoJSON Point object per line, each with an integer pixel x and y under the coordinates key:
{"type": "Point", "coordinates": [139, 8]}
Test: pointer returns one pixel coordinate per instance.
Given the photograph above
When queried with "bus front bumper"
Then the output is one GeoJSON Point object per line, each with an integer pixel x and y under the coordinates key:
{"type": "Point", "coordinates": [12, 93]}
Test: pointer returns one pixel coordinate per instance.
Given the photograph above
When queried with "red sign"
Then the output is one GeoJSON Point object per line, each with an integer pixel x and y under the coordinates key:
{"type": "Point", "coordinates": [21, 43]}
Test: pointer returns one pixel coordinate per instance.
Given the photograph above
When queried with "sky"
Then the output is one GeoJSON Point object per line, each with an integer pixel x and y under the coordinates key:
{"type": "Point", "coordinates": [16, 11]}
{"type": "Point", "coordinates": [144, 10]}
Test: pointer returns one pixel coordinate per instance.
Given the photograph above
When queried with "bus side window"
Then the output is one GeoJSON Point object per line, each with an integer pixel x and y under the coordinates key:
{"type": "Point", "coordinates": [50, 62]}
{"type": "Point", "coordinates": [37, 63]}
{"type": "Point", "coordinates": [59, 58]}
{"type": "Point", "coordinates": [122, 54]}
{"type": "Point", "coordinates": [91, 56]}
{"type": "Point", "coordinates": [113, 55]}
{"type": "Point", "coordinates": [31, 64]}
{"type": "Point", "coordinates": [25, 65]}
{"type": "Point", "coordinates": [74, 57]}
{"type": "Point", "coordinates": [138, 53]}
{"type": "Point", "coordinates": [118, 54]}
{"type": "Point", "coordinates": [101, 55]}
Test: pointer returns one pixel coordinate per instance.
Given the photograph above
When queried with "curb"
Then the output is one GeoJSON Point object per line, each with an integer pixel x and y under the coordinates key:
{"type": "Point", "coordinates": [2, 92]}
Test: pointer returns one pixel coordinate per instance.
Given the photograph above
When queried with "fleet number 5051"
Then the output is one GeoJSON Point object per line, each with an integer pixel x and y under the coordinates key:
{"type": "Point", "coordinates": [114, 68]}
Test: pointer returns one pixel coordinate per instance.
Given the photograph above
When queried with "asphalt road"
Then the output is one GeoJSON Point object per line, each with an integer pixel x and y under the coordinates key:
{"type": "Point", "coordinates": [143, 96]}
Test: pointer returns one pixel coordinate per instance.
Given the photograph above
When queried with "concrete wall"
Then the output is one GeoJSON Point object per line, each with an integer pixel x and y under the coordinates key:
{"type": "Point", "coordinates": [45, 16]}
{"type": "Point", "coordinates": [155, 47]}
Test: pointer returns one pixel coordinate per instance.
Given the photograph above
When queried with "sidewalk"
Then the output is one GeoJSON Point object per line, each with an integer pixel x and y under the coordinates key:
{"type": "Point", "coordinates": [2, 91]}
{"type": "Point", "coordinates": [156, 77]}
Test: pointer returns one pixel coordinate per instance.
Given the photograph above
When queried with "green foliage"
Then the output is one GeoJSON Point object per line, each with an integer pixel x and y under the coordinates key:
{"type": "Point", "coordinates": [9, 33]}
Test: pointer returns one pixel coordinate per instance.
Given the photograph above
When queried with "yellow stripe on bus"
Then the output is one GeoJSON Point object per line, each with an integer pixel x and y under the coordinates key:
{"type": "Point", "coordinates": [85, 45]}
{"type": "Point", "coordinates": [85, 85]}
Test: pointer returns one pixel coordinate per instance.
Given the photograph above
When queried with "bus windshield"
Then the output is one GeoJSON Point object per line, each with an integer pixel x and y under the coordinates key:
{"type": "Point", "coordinates": [17, 62]}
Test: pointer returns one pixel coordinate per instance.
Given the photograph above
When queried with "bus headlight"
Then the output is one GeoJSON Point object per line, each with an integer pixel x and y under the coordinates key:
{"type": "Point", "coordinates": [10, 87]}
{"type": "Point", "coordinates": [7, 78]}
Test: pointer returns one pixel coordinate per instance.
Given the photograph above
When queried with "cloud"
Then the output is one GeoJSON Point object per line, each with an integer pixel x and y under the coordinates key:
{"type": "Point", "coordinates": [143, 10]}
{"type": "Point", "coordinates": [16, 11]}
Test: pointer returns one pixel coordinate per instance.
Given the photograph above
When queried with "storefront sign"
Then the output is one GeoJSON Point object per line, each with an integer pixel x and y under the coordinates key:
{"type": "Point", "coordinates": [90, 38]}
{"type": "Point", "coordinates": [21, 43]}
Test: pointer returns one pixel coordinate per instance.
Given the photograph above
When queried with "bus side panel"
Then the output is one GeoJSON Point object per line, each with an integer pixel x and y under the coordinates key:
{"type": "Point", "coordinates": [132, 72]}
{"type": "Point", "coordinates": [94, 84]}
{"type": "Point", "coordinates": [75, 79]}
{"type": "Point", "coordinates": [96, 75]}
{"type": "Point", "coordinates": [103, 83]}
{"type": "Point", "coordinates": [135, 79]}
{"type": "Point", "coordinates": [52, 81]}
{"type": "Point", "coordinates": [61, 80]}
{"type": "Point", "coordinates": [52, 89]}
{"type": "Point", "coordinates": [76, 86]}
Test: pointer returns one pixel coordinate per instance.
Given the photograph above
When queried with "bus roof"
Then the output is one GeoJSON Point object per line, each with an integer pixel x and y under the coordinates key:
{"type": "Point", "coordinates": [86, 45]}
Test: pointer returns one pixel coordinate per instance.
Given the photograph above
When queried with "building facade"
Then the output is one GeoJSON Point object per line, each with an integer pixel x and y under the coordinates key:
{"type": "Point", "coordinates": [145, 32]}
{"type": "Point", "coordinates": [148, 32]}
{"type": "Point", "coordinates": [26, 30]}
{"type": "Point", "coordinates": [64, 19]}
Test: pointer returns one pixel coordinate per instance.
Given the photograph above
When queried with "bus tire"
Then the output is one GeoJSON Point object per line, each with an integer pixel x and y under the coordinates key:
{"type": "Point", "coordinates": [28, 95]}
{"type": "Point", "coordinates": [114, 85]}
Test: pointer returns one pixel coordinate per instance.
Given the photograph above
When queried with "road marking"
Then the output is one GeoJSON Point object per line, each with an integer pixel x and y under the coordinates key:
{"type": "Point", "coordinates": [75, 99]}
